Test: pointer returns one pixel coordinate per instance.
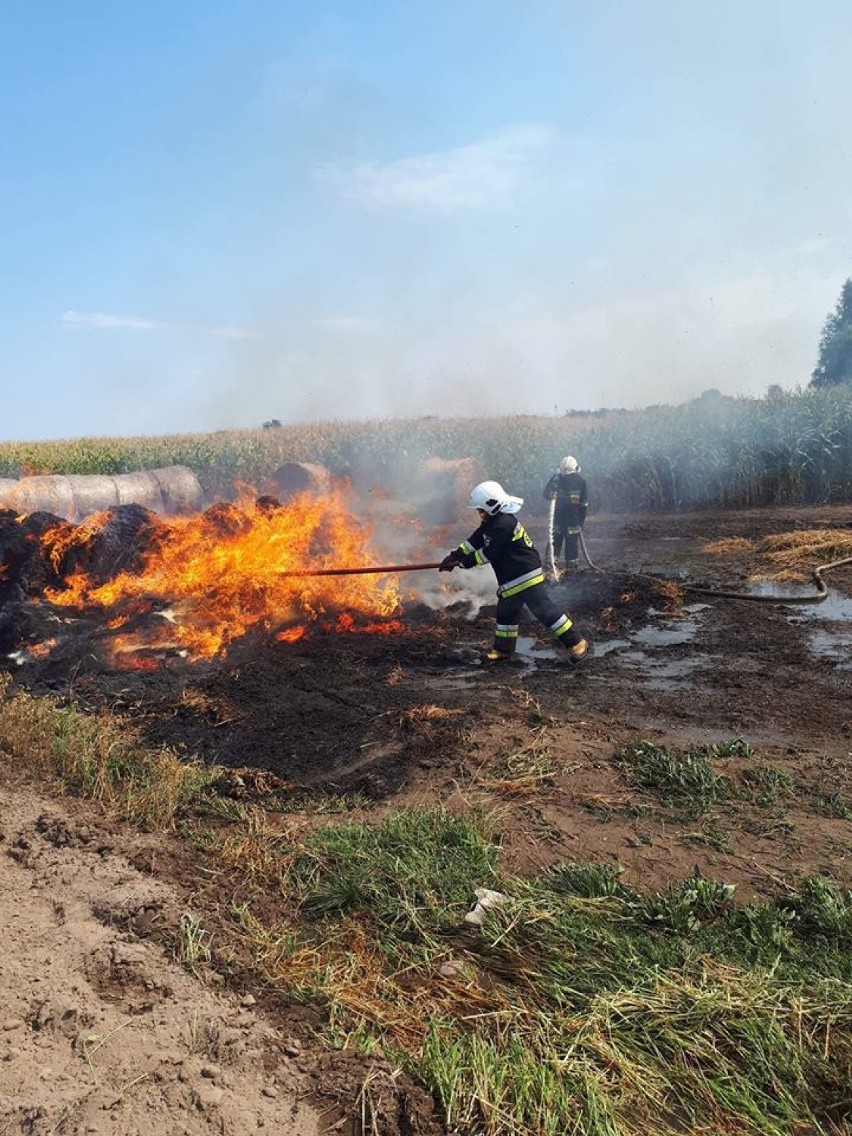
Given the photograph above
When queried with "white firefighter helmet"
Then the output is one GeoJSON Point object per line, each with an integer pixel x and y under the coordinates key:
{"type": "Point", "coordinates": [492, 498]}
{"type": "Point", "coordinates": [569, 465]}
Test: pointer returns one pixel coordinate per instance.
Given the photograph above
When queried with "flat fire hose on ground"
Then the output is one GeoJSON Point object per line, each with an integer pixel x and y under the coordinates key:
{"type": "Point", "coordinates": [723, 594]}
{"type": "Point", "coordinates": [816, 576]}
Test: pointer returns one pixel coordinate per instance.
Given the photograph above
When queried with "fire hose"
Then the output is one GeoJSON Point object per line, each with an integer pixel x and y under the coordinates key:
{"type": "Point", "coordinates": [551, 555]}
{"type": "Point", "coordinates": [376, 570]}
{"type": "Point", "coordinates": [721, 593]}
{"type": "Point", "coordinates": [816, 576]}
{"type": "Point", "coordinates": [699, 589]}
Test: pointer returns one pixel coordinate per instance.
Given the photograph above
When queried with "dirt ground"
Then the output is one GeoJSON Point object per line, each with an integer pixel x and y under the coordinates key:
{"type": "Point", "coordinates": [101, 1030]}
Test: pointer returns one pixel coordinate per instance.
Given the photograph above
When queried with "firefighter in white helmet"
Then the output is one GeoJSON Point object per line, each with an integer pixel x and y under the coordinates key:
{"type": "Point", "coordinates": [503, 542]}
{"type": "Point", "coordinates": [567, 488]}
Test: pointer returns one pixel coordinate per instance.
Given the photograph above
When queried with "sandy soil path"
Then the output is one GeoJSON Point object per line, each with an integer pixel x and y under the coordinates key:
{"type": "Point", "coordinates": [102, 1033]}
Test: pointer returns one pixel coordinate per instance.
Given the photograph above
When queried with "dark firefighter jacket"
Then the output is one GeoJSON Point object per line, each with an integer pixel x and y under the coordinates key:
{"type": "Point", "coordinates": [505, 544]}
{"type": "Point", "coordinates": [572, 501]}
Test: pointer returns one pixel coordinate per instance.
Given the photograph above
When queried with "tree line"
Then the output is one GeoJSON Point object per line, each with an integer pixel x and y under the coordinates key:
{"type": "Point", "coordinates": [834, 365]}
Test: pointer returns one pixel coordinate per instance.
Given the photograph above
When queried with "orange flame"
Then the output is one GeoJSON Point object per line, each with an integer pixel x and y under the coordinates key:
{"type": "Point", "coordinates": [291, 635]}
{"type": "Point", "coordinates": [213, 577]}
{"type": "Point", "coordinates": [59, 540]}
{"type": "Point", "coordinates": [41, 650]}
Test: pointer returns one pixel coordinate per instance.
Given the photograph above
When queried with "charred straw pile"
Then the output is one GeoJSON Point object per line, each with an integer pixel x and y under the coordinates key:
{"type": "Point", "coordinates": [40, 551]}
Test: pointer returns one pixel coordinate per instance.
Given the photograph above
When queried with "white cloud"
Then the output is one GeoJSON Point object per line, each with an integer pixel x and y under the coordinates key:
{"type": "Point", "coordinates": [485, 173]}
{"type": "Point", "coordinates": [106, 321]}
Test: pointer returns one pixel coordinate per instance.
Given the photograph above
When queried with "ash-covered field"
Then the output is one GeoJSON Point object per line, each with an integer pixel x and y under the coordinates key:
{"type": "Point", "coordinates": [309, 691]}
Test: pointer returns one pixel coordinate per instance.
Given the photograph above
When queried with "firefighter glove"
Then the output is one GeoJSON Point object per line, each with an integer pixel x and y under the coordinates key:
{"type": "Point", "coordinates": [449, 563]}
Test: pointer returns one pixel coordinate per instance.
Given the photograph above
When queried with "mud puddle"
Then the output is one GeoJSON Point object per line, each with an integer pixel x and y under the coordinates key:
{"type": "Point", "coordinates": [646, 650]}
{"type": "Point", "coordinates": [827, 623]}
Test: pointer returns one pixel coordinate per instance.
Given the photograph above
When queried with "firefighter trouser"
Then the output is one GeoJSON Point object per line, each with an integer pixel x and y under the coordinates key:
{"type": "Point", "coordinates": [569, 535]}
{"type": "Point", "coordinates": [537, 599]}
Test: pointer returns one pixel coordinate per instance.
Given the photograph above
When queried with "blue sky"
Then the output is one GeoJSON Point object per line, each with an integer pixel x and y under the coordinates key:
{"type": "Point", "coordinates": [215, 214]}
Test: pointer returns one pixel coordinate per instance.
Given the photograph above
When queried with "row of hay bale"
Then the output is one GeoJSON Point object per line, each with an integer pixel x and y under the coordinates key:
{"type": "Point", "coordinates": [437, 491]}
{"type": "Point", "coordinates": [169, 491]}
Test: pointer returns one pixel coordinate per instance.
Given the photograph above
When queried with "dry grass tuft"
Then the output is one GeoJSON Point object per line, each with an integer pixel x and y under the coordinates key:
{"type": "Point", "coordinates": [246, 783]}
{"type": "Point", "coordinates": [669, 594]}
{"type": "Point", "coordinates": [425, 723]}
{"type": "Point", "coordinates": [527, 772]}
{"type": "Point", "coordinates": [429, 713]}
{"type": "Point", "coordinates": [98, 756]}
{"type": "Point", "coordinates": [808, 548]}
{"type": "Point", "coordinates": [428, 728]}
{"type": "Point", "coordinates": [729, 544]}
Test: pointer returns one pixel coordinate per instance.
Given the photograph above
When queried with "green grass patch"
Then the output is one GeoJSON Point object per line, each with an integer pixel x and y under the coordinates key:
{"type": "Point", "coordinates": [413, 870]}
{"type": "Point", "coordinates": [765, 785]}
{"type": "Point", "coordinates": [686, 780]}
{"type": "Point", "coordinates": [98, 756]}
{"type": "Point", "coordinates": [581, 1005]}
{"type": "Point", "coordinates": [830, 803]}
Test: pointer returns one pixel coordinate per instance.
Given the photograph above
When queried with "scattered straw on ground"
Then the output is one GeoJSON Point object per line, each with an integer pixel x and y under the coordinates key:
{"type": "Point", "coordinates": [808, 547]}
{"type": "Point", "coordinates": [729, 544]}
{"type": "Point", "coordinates": [669, 593]}
{"type": "Point", "coordinates": [793, 554]}
{"type": "Point", "coordinates": [430, 713]}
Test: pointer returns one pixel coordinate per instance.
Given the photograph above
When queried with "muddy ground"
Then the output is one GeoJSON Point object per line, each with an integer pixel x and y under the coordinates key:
{"type": "Point", "coordinates": [380, 721]}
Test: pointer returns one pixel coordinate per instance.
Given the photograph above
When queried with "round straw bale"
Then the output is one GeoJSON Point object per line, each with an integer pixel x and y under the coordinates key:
{"type": "Point", "coordinates": [443, 487]}
{"type": "Point", "coordinates": [293, 478]}
{"type": "Point", "coordinates": [180, 488]}
{"type": "Point", "coordinates": [91, 493]}
{"type": "Point", "coordinates": [42, 494]}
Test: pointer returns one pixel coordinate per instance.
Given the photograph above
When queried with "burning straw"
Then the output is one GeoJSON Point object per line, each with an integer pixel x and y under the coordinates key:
{"type": "Point", "coordinates": [201, 582]}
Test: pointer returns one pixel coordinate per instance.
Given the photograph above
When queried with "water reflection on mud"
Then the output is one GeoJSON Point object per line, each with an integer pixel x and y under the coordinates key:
{"type": "Point", "coordinates": [660, 673]}
{"type": "Point", "coordinates": [654, 652]}
{"type": "Point", "coordinates": [829, 630]}
{"type": "Point", "coordinates": [645, 653]}
{"type": "Point", "coordinates": [828, 624]}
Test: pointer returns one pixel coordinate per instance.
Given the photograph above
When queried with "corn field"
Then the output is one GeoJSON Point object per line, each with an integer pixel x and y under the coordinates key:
{"type": "Point", "coordinates": [789, 449]}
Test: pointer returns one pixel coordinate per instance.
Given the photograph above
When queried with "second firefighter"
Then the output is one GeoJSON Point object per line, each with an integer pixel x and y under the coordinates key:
{"type": "Point", "coordinates": [567, 490]}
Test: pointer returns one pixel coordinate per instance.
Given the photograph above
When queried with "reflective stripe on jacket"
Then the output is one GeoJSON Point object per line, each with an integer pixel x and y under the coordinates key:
{"type": "Point", "coordinates": [571, 496]}
{"type": "Point", "coordinates": [505, 544]}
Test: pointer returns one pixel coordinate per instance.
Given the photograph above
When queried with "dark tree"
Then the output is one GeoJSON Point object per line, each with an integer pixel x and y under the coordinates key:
{"type": "Point", "coordinates": [835, 346]}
